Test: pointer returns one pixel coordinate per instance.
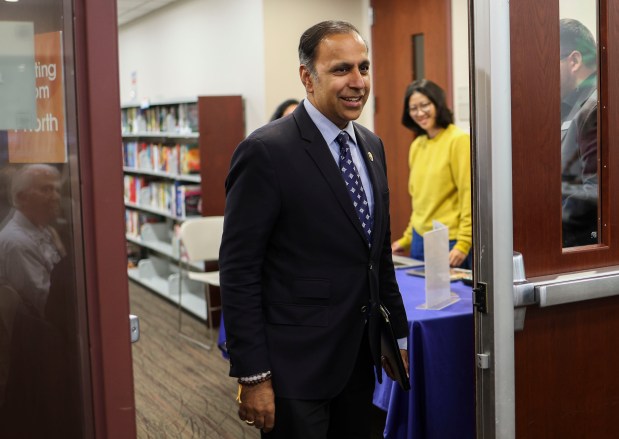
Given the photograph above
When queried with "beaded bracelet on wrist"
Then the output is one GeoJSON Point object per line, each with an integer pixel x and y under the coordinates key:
{"type": "Point", "coordinates": [255, 379]}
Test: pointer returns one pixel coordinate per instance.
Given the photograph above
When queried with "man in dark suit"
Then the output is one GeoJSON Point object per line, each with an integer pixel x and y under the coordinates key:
{"type": "Point", "coordinates": [302, 268]}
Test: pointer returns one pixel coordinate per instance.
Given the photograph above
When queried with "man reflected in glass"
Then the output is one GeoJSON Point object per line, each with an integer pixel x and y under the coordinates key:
{"type": "Point", "coordinates": [37, 356]}
{"type": "Point", "coordinates": [579, 134]}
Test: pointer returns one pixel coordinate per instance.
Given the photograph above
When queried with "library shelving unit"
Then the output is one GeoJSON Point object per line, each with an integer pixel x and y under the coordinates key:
{"type": "Point", "coordinates": [176, 156]}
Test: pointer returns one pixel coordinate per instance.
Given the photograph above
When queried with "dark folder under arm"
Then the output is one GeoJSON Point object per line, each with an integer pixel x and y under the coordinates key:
{"type": "Point", "coordinates": [391, 350]}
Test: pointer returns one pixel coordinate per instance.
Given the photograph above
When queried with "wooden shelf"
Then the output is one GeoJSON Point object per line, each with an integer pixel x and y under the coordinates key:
{"type": "Point", "coordinates": [159, 135]}
{"type": "Point", "coordinates": [221, 128]}
{"type": "Point", "coordinates": [159, 238]}
{"type": "Point", "coordinates": [158, 276]}
{"type": "Point", "coordinates": [192, 178]}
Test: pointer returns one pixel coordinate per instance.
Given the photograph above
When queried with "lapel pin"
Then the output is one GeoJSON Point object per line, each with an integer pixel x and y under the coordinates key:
{"type": "Point", "coordinates": [370, 156]}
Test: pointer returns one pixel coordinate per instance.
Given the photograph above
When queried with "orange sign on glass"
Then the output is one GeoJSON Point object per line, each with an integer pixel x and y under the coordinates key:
{"type": "Point", "coordinates": [46, 143]}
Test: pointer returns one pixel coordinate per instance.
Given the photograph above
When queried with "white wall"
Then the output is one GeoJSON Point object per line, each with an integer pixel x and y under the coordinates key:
{"type": "Point", "coordinates": [248, 47]}
{"type": "Point", "coordinates": [197, 47]}
{"type": "Point", "coordinates": [460, 60]}
{"type": "Point", "coordinates": [584, 11]}
{"type": "Point", "coordinates": [284, 22]}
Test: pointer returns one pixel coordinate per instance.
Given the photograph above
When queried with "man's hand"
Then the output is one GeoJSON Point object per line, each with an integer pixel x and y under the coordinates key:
{"type": "Point", "coordinates": [389, 369]}
{"type": "Point", "coordinates": [257, 406]}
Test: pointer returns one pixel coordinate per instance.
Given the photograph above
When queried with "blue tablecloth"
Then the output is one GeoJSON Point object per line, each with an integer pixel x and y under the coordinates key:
{"type": "Point", "coordinates": [441, 403]}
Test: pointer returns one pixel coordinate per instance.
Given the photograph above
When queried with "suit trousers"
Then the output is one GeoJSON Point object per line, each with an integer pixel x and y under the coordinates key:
{"type": "Point", "coordinates": [346, 416]}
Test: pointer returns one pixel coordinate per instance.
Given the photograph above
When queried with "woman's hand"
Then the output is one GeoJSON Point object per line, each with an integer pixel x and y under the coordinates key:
{"type": "Point", "coordinates": [397, 249]}
{"type": "Point", "coordinates": [456, 258]}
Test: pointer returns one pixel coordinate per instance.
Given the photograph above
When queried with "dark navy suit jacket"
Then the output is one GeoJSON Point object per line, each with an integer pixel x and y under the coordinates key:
{"type": "Point", "coordinates": [296, 270]}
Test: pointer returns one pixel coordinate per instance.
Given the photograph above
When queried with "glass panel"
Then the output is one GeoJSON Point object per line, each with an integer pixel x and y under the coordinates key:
{"type": "Point", "coordinates": [578, 60]}
{"type": "Point", "coordinates": [44, 384]}
{"type": "Point", "coordinates": [419, 65]}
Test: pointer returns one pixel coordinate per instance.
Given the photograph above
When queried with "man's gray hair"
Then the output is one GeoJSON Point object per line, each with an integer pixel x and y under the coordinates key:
{"type": "Point", "coordinates": [24, 179]}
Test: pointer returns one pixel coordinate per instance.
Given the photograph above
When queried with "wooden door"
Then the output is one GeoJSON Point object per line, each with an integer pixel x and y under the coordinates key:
{"type": "Point", "coordinates": [566, 357]}
{"type": "Point", "coordinates": [554, 378]}
{"type": "Point", "coordinates": [395, 24]}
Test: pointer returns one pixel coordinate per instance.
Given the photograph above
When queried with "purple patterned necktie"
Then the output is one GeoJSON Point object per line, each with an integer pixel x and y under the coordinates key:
{"type": "Point", "coordinates": [354, 185]}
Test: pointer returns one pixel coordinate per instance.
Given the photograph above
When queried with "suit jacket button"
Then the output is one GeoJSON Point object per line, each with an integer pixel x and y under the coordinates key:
{"type": "Point", "coordinates": [364, 309]}
{"type": "Point", "coordinates": [370, 266]}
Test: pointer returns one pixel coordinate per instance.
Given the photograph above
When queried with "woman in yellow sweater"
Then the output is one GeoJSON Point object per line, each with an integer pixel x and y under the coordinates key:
{"type": "Point", "coordinates": [440, 176]}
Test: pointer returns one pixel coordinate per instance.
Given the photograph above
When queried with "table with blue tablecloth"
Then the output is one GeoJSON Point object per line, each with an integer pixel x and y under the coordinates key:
{"type": "Point", "coordinates": [441, 403]}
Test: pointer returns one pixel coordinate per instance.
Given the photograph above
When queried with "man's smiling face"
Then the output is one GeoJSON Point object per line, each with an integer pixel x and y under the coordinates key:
{"type": "Point", "coordinates": [341, 84]}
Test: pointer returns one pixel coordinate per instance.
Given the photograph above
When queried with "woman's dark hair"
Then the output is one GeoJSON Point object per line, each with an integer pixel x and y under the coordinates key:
{"type": "Point", "coordinates": [444, 116]}
{"type": "Point", "coordinates": [279, 111]}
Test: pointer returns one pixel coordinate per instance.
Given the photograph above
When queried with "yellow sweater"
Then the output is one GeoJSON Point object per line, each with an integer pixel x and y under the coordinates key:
{"type": "Point", "coordinates": [440, 186]}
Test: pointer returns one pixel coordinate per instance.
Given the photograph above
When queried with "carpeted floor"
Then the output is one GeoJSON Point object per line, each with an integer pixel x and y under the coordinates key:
{"type": "Point", "coordinates": [182, 390]}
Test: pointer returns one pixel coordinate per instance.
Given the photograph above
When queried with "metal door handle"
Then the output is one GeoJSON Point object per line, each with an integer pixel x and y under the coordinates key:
{"type": "Point", "coordinates": [563, 288]}
{"type": "Point", "coordinates": [134, 327]}
{"type": "Point", "coordinates": [560, 289]}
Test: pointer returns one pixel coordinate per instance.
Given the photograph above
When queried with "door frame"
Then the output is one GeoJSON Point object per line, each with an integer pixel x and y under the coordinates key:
{"type": "Point", "coordinates": [100, 163]}
{"type": "Point", "coordinates": [491, 159]}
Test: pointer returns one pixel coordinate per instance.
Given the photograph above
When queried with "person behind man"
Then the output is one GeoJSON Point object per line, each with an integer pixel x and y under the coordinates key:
{"type": "Point", "coordinates": [439, 160]}
{"type": "Point", "coordinates": [284, 109]}
{"type": "Point", "coordinates": [579, 104]}
{"type": "Point", "coordinates": [301, 275]}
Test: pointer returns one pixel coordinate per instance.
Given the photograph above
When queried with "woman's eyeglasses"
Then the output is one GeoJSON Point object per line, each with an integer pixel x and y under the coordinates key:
{"type": "Point", "coordinates": [425, 107]}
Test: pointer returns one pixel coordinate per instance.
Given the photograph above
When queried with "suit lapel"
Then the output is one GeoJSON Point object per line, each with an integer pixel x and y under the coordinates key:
{"type": "Point", "coordinates": [319, 151]}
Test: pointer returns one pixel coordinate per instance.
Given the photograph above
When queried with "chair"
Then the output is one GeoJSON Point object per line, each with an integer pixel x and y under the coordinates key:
{"type": "Point", "coordinates": [200, 238]}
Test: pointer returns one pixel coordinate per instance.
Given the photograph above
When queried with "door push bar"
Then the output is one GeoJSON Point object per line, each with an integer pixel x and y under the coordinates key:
{"type": "Point", "coordinates": [560, 289]}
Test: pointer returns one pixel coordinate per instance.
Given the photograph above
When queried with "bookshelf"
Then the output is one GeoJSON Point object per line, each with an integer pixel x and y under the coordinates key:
{"type": "Point", "coordinates": [176, 156]}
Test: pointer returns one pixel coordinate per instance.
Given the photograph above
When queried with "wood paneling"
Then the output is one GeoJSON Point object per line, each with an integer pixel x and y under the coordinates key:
{"type": "Point", "coordinates": [395, 22]}
{"type": "Point", "coordinates": [566, 356]}
{"type": "Point", "coordinates": [222, 128]}
{"type": "Point", "coordinates": [566, 371]}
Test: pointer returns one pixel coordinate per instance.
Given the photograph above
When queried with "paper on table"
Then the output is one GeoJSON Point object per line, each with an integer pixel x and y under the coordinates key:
{"type": "Point", "coordinates": [436, 253]}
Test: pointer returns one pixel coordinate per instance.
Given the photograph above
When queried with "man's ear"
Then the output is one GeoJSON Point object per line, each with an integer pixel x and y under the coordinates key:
{"type": "Point", "coordinates": [306, 79]}
{"type": "Point", "coordinates": [575, 60]}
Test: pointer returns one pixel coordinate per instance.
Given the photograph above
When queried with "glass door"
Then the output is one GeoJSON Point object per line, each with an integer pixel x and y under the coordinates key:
{"type": "Point", "coordinates": [64, 329]}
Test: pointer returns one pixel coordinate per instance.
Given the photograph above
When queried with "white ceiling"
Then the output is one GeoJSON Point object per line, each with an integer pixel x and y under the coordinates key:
{"type": "Point", "coordinates": [129, 10]}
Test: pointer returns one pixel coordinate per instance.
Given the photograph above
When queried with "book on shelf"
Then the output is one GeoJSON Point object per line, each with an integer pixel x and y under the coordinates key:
{"type": "Point", "coordinates": [145, 157]}
{"type": "Point", "coordinates": [134, 254]}
{"type": "Point", "coordinates": [188, 200]}
{"type": "Point", "coordinates": [130, 154]}
{"type": "Point", "coordinates": [179, 118]}
{"type": "Point", "coordinates": [189, 159]}
{"type": "Point", "coordinates": [177, 159]}
{"type": "Point", "coordinates": [168, 161]}
{"type": "Point", "coordinates": [135, 220]}
{"type": "Point", "coordinates": [134, 187]}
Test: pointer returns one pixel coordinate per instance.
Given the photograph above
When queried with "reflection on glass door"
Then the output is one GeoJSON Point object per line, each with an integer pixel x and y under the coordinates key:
{"type": "Point", "coordinates": [43, 354]}
{"type": "Point", "coordinates": [578, 60]}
